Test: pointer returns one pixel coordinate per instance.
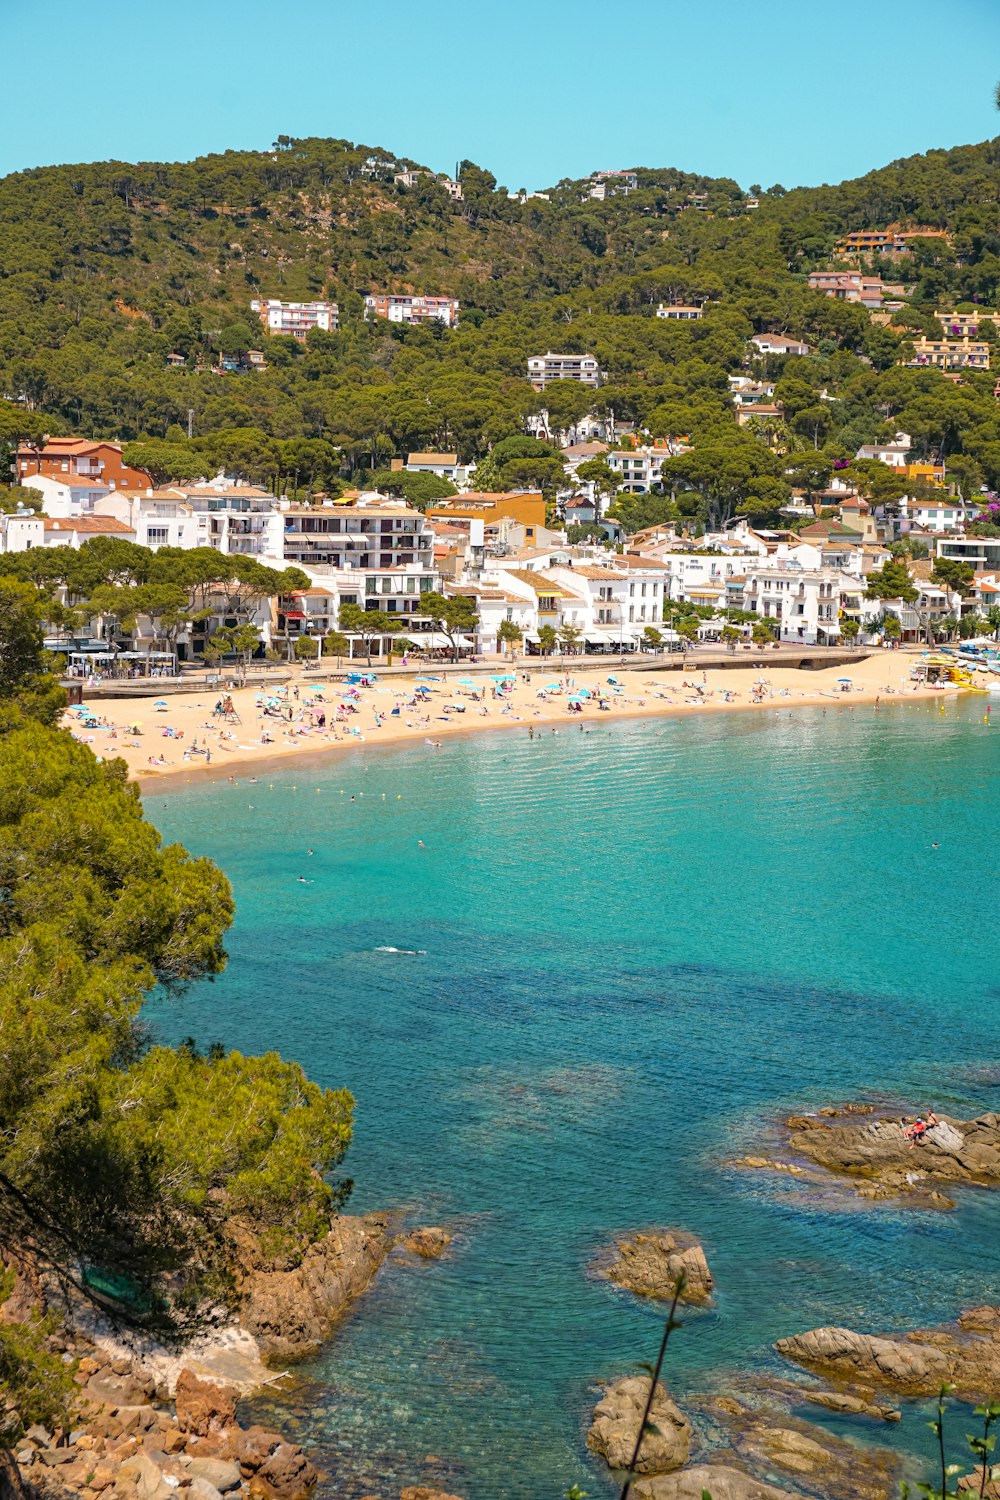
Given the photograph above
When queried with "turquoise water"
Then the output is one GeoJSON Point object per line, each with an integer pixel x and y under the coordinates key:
{"type": "Point", "coordinates": [636, 947]}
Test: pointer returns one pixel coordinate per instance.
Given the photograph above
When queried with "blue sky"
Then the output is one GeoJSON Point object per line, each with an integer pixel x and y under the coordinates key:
{"type": "Point", "coordinates": [532, 89]}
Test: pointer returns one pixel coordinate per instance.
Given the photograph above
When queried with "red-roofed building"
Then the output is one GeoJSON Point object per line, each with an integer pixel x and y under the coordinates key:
{"type": "Point", "coordinates": [84, 458]}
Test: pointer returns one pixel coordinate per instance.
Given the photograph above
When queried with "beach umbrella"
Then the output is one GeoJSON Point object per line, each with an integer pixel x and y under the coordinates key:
{"type": "Point", "coordinates": [845, 679]}
{"type": "Point", "coordinates": [466, 682]}
{"type": "Point", "coordinates": [553, 687]}
{"type": "Point", "coordinates": [583, 692]}
{"type": "Point", "coordinates": [160, 703]}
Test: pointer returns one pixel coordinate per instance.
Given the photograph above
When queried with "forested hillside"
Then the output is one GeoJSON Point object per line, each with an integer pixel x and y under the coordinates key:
{"type": "Point", "coordinates": [107, 269]}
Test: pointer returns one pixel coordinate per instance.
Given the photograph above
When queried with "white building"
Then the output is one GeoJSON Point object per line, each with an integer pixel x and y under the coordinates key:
{"type": "Point", "coordinates": [690, 574]}
{"type": "Point", "coordinates": [543, 368]}
{"type": "Point", "coordinates": [74, 531]}
{"type": "Point", "coordinates": [236, 519]}
{"type": "Point", "coordinates": [805, 603]}
{"type": "Point", "coordinates": [295, 319]}
{"type": "Point", "coordinates": [21, 530]}
{"type": "Point", "coordinates": [67, 494]}
{"type": "Point", "coordinates": [679, 312]}
{"type": "Point", "coordinates": [777, 343]}
{"type": "Point", "coordinates": [397, 308]}
{"type": "Point", "coordinates": [895, 453]}
{"type": "Point", "coordinates": [442, 465]}
{"type": "Point", "coordinates": [639, 468]}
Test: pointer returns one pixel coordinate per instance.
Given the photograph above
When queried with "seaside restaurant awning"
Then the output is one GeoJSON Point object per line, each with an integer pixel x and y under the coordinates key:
{"type": "Point", "coordinates": [436, 640]}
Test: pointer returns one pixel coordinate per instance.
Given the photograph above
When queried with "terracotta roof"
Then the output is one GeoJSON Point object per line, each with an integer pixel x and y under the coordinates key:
{"type": "Point", "coordinates": [630, 560]}
{"type": "Point", "coordinates": [90, 525]}
{"type": "Point", "coordinates": [598, 572]}
{"type": "Point", "coordinates": [539, 583]}
{"type": "Point", "coordinates": [432, 458]}
{"type": "Point", "coordinates": [584, 450]}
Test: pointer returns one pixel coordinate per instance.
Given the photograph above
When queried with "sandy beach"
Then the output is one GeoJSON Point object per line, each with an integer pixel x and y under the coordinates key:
{"type": "Point", "coordinates": [189, 736]}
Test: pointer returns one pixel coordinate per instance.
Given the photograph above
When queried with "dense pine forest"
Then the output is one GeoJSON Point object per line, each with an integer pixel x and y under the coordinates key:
{"type": "Point", "coordinates": [107, 269]}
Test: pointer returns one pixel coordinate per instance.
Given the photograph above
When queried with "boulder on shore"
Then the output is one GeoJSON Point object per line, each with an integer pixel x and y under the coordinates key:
{"type": "Point", "coordinates": [203, 1407]}
{"type": "Point", "coordinates": [617, 1416]}
{"type": "Point", "coordinates": [651, 1264]}
{"type": "Point", "coordinates": [292, 1310]}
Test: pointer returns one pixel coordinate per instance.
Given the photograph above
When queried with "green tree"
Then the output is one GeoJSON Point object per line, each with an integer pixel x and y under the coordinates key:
{"type": "Point", "coordinates": [308, 647]}
{"type": "Point", "coordinates": [25, 676]}
{"type": "Point", "coordinates": [240, 641]}
{"type": "Point", "coordinates": [850, 629]}
{"type": "Point", "coordinates": [731, 637]}
{"type": "Point", "coordinates": [452, 614]}
{"type": "Point", "coordinates": [369, 624]}
{"type": "Point", "coordinates": [569, 635]}
{"type": "Point", "coordinates": [509, 635]}
{"type": "Point", "coordinates": [952, 573]}
{"type": "Point", "coordinates": [892, 581]}
{"type": "Point", "coordinates": [599, 473]}
{"type": "Point", "coordinates": [993, 620]}
{"type": "Point", "coordinates": [335, 643]}
{"type": "Point", "coordinates": [763, 632]}
{"type": "Point", "coordinates": [548, 638]}
{"type": "Point", "coordinates": [654, 638]}
{"type": "Point", "coordinates": [418, 490]}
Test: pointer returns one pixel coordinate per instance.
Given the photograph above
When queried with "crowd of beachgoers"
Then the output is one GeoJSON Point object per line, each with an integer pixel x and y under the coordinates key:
{"type": "Point", "coordinates": [221, 727]}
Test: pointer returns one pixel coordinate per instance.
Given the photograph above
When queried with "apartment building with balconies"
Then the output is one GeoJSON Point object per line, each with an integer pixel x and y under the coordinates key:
{"type": "Point", "coordinates": [236, 519]}
{"type": "Point", "coordinates": [805, 603]}
{"type": "Point", "coordinates": [950, 354]}
{"type": "Point", "coordinates": [544, 368]}
{"type": "Point", "coordinates": [398, 308]}
{"type": "Point", "coordinates": [295, 319]}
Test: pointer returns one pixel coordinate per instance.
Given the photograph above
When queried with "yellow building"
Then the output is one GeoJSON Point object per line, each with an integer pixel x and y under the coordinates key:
{"type": "Point", "coordinates": [527, 507]}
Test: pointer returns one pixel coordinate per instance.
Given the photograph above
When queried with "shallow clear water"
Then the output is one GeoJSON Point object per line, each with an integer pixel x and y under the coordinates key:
{"type": "Point", "coordinates": [637, 946]}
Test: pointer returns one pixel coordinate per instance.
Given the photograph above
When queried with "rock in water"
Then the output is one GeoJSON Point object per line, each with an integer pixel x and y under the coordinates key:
{"type": "Point", "coordinates": [952, 1151]}
{"type": "Point", "coordinates": [717, 1480]}
{"type": "Point", "coordinates": [428, 1243]}
{"type": "Point", "coordinates": [616, 1424]}
{"type": "Point", "coordinates": [650, 1265]}
{"type": "Point", "coordinates": [906, 1365]}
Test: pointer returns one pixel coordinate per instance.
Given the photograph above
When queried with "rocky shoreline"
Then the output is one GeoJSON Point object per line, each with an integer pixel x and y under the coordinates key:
{"type": "Point", "coordinates": [152, 1423]}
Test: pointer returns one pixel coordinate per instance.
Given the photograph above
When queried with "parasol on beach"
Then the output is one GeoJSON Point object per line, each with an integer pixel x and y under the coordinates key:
{"type": "Point", "coordinates": [466, 682]}
{"type": "Point", "coordinates": [160, 703]}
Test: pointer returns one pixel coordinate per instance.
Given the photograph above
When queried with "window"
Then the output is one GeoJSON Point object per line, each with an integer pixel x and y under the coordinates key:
{"type": "Point", "coordinates": [157, 536]}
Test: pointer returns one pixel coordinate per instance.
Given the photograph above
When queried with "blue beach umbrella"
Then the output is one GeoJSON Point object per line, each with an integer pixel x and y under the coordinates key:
{"type": "Point", "coordinates": [466, 682]}
{"type": "Point", "coordinates": [160, 703]}
{"type": "Point", "coordinates": [553, 687]}
{"type": "Point", "coordinates": [583, 692]}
